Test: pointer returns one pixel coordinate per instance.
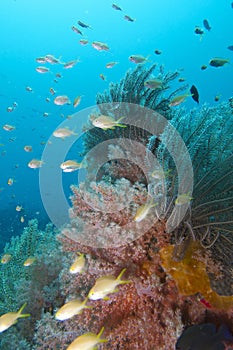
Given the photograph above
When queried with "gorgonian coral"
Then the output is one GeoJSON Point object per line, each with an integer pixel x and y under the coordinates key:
{"type": "Point", "coordinates": [177, 260]}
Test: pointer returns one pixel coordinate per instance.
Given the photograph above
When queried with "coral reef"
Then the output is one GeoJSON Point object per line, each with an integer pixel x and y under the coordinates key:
{"type": "Point", "coordinates": [179, 264]}
{"type": "Point", "coordinates": [148, 313]}
{"type": "Point", "coordinates": [13, 339]}
{"type": "Point", "coordinates": [37, 285]}
{"type": "Point", "coordinates": [152, 310]}
{"type": "Point", "coordinates": [50, 334]}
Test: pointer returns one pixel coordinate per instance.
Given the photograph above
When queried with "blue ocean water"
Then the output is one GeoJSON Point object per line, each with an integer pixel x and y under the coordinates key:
{"type": "Point", "coordinates": [30, 29]}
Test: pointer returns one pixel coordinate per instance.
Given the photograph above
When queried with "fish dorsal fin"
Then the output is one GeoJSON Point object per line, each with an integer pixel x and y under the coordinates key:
{"type": "Point", "coordinates": [85, 301]}
{"type": "Point", "coordinates": [100, 332]}
{"type": "Point", "coordinates": [20, 311]}
{"type": "Point", "coordinates": [22, 307]}
{"type": "Point", "coordinates": [121, 274]}
{"type": "Point", "coordinates": [108, 277]}
{"type": "Point", "coordinates": [88, 334]}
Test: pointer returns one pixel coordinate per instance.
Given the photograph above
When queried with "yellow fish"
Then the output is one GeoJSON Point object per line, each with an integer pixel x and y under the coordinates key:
{"type": "Point", "coordinates": [153, 84]}
{"type": "Point", "coordinates": [62, 100]}
{"type": "Point", "coordinates": [7, 320]}
{"type": "Point", "coordinates": [77, 101]}
{"type": "Point", "coordinates": [143, 211]}
{"type": "Point", "coordinates": [18, 208]}
{"type": "Point", "coordinates": [27, 148]}
{"type": "Point", "coordinates": [78, 265]}
{"type": "Point", "coordinates": [183, 199]}
{"type": "Point", "coordinates": [105, 122]}
{"type": "Point", "coordinates": [111, 64]}
{"type": "Point", "coordinates": [70, 309]}
{"type": "Point", "coordinates": [29, 261]}
{"type": "Point", "coordinates": [160, 174]}
{"type": "Point", "coordinates": [63, 133]}
{"type": "Point", "coordinates": [10, 181]}
{"type": "Point", "coordinates": [35, 163]}
{"type": "Point", "coordinates": [70, 166]}
{"type": "Point", "coordinates": [177, 100]}
{"type": "Point", "coordinates": [87, 341]}
{"type": "Point", "coordinates": [6, 258]}
{"type": "Point", "coordinates": [106, 285]}
{"type": "Point", "coordinates": [138, 59]}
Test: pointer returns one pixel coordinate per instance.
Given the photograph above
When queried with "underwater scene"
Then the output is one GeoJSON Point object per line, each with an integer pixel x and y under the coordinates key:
{"type": "Point", "coordinates": [116, 191]}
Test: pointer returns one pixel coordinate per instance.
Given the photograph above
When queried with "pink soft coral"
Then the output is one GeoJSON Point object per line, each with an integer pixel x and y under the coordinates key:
{"type": "Point", "coordinates": [148, 313]}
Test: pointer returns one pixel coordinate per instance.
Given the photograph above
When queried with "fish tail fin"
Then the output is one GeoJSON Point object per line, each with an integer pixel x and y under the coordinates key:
{"type": "Point", "coordinates": [21, 310]}
{"type": "Point", "coordinates": [22, 307]}
{"type": "Point", "coordinates": [100, 332]}
{"type": "Point", "coordinates": [24, 315]}
{"type": "Point", "coordinates": [60, 61]}
{"type": "Point", "coordinates": [118, 120]}
{"type": "Point", "coordinates": [153, 205]}
{"type": "Point", "coordinates": [121, 274]}
{"type": "Point", "coordinates": [74, 132]}
{"type": "Point", "coordinates": [85, 300]}
{"type": "Point", "coordinates": [151, 202]}
{"type": "Point", "coordinates": [84, 165]}
{"type": "Point", "coordinates": [125, 282]}
{"type": "Point", "coordinates": [121, 125]}
{"type": "Point", "coordinates": [119, 278]}
{"type": "Point", "coordinates": [188, 93]}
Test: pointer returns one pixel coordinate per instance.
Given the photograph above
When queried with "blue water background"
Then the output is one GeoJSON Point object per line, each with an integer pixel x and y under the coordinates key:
{"type": "Point", "coordinates": [35, 28]}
